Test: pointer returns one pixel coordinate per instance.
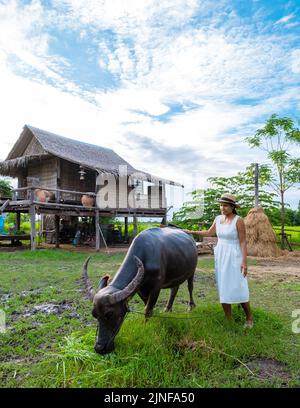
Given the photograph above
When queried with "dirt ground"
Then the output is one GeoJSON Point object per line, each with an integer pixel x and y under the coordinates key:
{"type": "Point", "coordinates": [282, 267]}
{"type": "Point", "coordinates": [285, 266]}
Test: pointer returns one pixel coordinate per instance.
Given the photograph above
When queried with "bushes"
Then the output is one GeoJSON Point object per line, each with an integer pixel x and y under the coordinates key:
{"type": "Point", "coordinates": [5, 189]}
{"type": "Point", "coordinates": [25, 226]}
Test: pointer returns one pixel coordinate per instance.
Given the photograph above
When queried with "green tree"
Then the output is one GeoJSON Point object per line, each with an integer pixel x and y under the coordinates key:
{"type": "Point", "coordinates": [241, 185]}
{"type": "Point", "coordinates": [297, 215]}
{"type": "Point", "coordinates": [5, 188]}
{"type": "Point", "coordinates": [201, 210]}
{"type": "Point", "coordinates": [276, 137]}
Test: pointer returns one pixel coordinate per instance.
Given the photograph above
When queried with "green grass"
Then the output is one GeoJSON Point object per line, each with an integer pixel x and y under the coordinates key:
{"type": "Point", "coordinates": [294, 231]}
{"type": "Point", "coordinates": [197, 349]}
{"type": "Point", "coordinates": [141, 227]}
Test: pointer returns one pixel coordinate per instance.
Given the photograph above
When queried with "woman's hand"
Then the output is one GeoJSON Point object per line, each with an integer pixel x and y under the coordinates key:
{"type": "Point", "coordinates": [244, 269]}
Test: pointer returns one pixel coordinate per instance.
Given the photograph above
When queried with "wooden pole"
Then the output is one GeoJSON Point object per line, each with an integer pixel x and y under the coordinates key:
{"type": "Point", "coordinates": [257, 204]}
{"type": "Point", "coordinates": [104, 240]}
{"type": "Point", "coordinates": [135, 226]}
{"type": "Point", "coordinates": [97, 229]}
{"type": "Point", "coordinates": [41, 228]}
{"type": "Point", "coordinates": [126, 229]}
{"type": "Point", "coordinates": [99, 233]}
{"type": "Point", "coordinates": [57, 219]}
{"type": "Point", "coordinates": [33, 229]}
{"type": "Point", "coordinates": [18, 221]}
{"type": "Point", "coordinates": [32, 221]}
{"type": "Point", "coordinates": [58, 180]}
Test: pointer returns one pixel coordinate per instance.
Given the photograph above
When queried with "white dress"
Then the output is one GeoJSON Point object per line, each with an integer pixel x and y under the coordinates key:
{"type": "Point", "coordinates": [231, 283]}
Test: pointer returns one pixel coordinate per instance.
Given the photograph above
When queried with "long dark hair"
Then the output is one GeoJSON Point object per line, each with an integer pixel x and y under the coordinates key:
{"type": "Point", "coordinates": [234, 209]}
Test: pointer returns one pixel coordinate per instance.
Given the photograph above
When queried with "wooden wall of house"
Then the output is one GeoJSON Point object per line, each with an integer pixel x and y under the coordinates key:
{"type": "Point", "coordinates": [22, 182]}
{"type": "Point", "coordinates": [45, 171]}
{"type": "Point", "coordinates": [22, 178]}
{"type": "Point", "coordinates": [70, 179]}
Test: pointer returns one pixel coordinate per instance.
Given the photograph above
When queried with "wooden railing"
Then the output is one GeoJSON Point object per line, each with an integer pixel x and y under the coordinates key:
{"type": "Point", "coordinates": [29, 197]}
{"type": "Point", "coordinates": [56, 190]}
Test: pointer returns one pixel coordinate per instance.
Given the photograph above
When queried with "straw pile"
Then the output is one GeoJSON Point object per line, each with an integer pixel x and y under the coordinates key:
{"type": "Point", "coordinates": [261, 239]}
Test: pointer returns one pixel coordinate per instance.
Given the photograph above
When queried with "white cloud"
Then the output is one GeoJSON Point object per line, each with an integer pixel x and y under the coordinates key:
{"type": "Point", "coordinates": [160, 60]}
{"type": "Point", "coordinates": [21, 35]}
{"type": "Point", "coordinates": [24, 44]}
{"type": "Point", "coordinates": [123, 17]}
{"type": "Point", "coordinates": [296, 61]}
{"type": "Point", "coordinates": [285, 19]}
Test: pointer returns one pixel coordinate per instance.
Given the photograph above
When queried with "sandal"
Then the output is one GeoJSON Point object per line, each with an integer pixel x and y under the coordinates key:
{"type": "Point", "coordinates": [248, 324]}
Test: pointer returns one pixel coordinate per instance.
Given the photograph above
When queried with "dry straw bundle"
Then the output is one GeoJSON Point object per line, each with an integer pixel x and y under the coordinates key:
{"type": "Point", "coordinates": [261, 239]}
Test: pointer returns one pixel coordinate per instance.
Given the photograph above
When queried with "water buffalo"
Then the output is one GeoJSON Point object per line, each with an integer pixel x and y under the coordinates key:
{"type": "Point", "coordinates": [158, 258]}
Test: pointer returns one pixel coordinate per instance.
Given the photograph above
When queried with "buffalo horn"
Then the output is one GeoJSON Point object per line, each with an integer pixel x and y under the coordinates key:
{"type": "Point", "coordinates": [86, 280]}
{"type": "Point", "coordinates": [131, 287]}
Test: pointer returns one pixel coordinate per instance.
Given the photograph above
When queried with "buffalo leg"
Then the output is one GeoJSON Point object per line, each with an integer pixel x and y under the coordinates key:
{"type": "Point", "coordinates": [171, 299]}
{"type": "Point", "coordinates": [191, 287]}
{"type": "Point", "coordinates": [151, 303]}
{"type": "Point", "coordinates": [144, 298]}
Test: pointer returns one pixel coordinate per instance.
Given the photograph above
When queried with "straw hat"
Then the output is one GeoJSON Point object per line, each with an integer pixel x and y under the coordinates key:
{"type": "Point", "coordinates": [228, 199]}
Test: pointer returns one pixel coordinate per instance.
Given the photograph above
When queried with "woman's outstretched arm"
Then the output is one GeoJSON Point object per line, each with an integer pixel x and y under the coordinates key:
{"type": "Point", "coordinates": [211, 232]}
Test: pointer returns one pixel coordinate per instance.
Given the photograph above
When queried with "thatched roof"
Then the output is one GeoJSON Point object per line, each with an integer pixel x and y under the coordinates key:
{"type": "Point", "coordinates": [11, 167]}
{"type": "Point", "coordinates": [90, 156]}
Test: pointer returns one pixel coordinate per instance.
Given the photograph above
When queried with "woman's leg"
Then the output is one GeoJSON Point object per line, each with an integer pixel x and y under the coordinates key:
{"type": "Point", "coordinates": [227, 310]}
{"type": "Point", "coordinates": [247, 310]}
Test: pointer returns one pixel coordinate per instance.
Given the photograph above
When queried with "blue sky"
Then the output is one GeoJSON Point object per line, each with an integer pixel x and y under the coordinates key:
{"type": "Point", "coordinates": [172, 86]}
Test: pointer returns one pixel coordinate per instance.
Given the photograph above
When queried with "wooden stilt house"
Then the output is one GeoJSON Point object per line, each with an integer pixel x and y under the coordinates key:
{"type": "Point", "coordinates": [69, 171]}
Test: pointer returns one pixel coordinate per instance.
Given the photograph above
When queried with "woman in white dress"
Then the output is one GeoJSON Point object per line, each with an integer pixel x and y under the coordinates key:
{"type": "Point", "coordinates": [230, 256]}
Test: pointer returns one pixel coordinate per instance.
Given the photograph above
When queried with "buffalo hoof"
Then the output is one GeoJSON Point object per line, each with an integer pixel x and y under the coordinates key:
{"type": "Point", "coordinates": [147, 316]}
{"type": "Point", "coordinates": [191, 306]}
{"type": "Point", "coordinates": [148, 313]}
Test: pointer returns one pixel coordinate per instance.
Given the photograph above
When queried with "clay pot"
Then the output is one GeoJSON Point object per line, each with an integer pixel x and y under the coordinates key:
{"type": "Point", "coordinates": [87, 200]}
{"type": "Point", "coordinates": [42, 195]}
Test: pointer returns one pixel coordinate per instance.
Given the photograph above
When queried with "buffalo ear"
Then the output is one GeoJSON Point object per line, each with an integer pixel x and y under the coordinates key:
{"type": "Point", "coordinates": [94, 313]}
{"type": "Point", "coordinates": [103, 282]}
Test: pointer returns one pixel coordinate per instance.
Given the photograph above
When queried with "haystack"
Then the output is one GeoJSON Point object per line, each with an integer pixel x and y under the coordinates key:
{"type": "Point", "coordinates": [261, 239]}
